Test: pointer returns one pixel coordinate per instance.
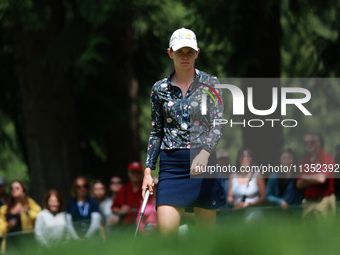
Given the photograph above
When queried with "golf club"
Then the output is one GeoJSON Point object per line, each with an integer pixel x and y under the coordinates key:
{"type": "Point", "coordinates": [145, 201]}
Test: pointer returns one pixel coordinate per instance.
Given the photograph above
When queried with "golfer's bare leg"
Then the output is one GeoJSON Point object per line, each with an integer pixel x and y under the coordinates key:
{"type": "Point", "coordinates": [205, 218]}
{"type": "Point", "coordinates": [169, 218]}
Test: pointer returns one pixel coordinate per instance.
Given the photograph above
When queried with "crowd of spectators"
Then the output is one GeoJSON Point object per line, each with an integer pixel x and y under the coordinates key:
{"type": "Point", "coordinates": [93, 212]}
{"type": "Point", "coordinates": [97, 210]}
{"type": "Point", "coordinates": [310, 185]}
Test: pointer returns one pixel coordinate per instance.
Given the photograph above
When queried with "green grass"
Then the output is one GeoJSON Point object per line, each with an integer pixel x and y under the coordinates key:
{"type": "Point", "coordinates": [276, 234]}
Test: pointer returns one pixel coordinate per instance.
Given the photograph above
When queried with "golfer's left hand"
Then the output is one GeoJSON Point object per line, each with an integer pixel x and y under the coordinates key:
{"type": "Point", "coordinates": [199, 162]}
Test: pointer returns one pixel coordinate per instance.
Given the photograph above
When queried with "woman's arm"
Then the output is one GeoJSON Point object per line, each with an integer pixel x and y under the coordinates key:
{"type": "Point", "coordinates": [215, 112]}
{"type": "Point", "coordinates": [3, 221]}
{"type": "Point", "coordinates": [39, 231]}
{"type": "Point", "coordinates": [95, 224]}
{"type": "Point", "coordinates": [307, 180]}
{"type": "Point", "coordinates": [34, 209]}
{"type": "Point", "coordinates": [155, 140]}
{"type": "Point", "coordinates": [70, 227]}
{"type": "Point", "coordinates": [262, 191]}
{"type": "Point", "coordinates": [156, 133]}
{"type": "Point", "coordinates": [67, 234]}
{"type": "Point", "coordinates": [199, 162]}
{"type": "Point", "coordinates": [270, 192]}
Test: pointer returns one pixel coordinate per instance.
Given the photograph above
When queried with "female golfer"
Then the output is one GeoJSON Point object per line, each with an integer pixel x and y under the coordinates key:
{"type": "Point", "coordinates": [183, 132]}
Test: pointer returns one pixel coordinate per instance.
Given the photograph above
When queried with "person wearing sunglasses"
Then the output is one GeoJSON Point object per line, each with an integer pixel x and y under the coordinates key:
{"type": "Point", "coordinates": [316, 176]}
{"type": "Point", "coordinates": [18, 214]}
{"type": "Point", "coordinates": [281, 187]}
{"type": "Point", "coordinates": [115, 185]}
{"type": "Point", "coordinates": [129, 198]}
{"type": "Point", "coordinates": [83, 215]}
{"type": "Point", "coordinates": [99, 192]}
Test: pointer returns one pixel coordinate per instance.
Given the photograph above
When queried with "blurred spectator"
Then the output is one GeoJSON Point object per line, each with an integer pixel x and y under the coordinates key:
{"type": "Point", "coordinates": [319, 193]}
{"type": "Point", "coordinates": [99, 192]}
{"type": "Point", "coordinates": [18, 214]}
{"type": "Point", "coordinates": [337, 179]}
{"type": "Point", "coordinates": [246, 188]}
{"type": "Point", "coordinates": [149, 221]}
{"type": "Point", "coordinates": [3, 194]}
{"type": "Point", "coordinates": [281, 187]}
{"type": "Point", "coordinates": [129, 198]}
{"type": "Point", "coordinates": [50, 226]}
{"type": "Point", "coordinates": [83, 215]}
{"type": "Point", "coordinates": [223, 160]}
{"type": "Point", "coordinates": [116, 183]}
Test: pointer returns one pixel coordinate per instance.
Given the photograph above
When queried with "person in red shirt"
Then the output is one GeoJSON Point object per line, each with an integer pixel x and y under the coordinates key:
{"type": "Point", "coordinates": [316, 177]}
{"type": "Point", "coordinates": [129, 198]}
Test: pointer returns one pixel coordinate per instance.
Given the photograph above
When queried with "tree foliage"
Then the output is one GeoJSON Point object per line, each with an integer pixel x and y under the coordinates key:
{"type": "Point", "coordinates": [90, 66]}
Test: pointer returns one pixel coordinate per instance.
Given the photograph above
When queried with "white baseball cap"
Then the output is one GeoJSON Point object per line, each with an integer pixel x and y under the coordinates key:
{"type": "Point", "coordinates": [183, 38]}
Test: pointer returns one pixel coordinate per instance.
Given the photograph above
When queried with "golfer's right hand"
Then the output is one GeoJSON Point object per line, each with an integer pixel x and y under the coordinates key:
{"type": "Point", "coordinates": [147, 182]}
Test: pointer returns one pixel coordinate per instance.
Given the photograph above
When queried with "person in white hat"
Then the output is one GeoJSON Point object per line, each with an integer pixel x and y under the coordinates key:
{"type": "Point", "coordinates": [185, 139]}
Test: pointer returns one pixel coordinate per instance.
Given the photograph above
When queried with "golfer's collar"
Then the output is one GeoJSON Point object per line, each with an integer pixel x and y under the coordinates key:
{"type": "Point", "coordinates": [196, 78]}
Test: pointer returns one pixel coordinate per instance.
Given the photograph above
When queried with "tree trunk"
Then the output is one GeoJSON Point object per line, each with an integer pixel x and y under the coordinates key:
{"type": "Point", "coordinates": [262, 34]}
{"type": "Point", "coordinates": [123, 141]}
{"type": "Point", "coordinates": [48, 107]}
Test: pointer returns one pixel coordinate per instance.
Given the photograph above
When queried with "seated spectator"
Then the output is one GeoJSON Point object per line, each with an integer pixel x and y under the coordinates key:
{"type": "Point", "coordinates": [83, 215]}
{"type": "Point", "coordinates": [320, 201]}
{"type": "Point", "coordinates": [50, 226]}
{"type": "Point", "coordinates": [246, 188]}
{"type": "Point", "coordinates": [281, 187]}
{"type": "Point", "coordinates": [116, 183]}
{"type": "Point", "coordinates": [99, 192]}
{"type": "Point", "coordinates": [149, 221]}
{"type": "Point", "coordinates": [129, 198]}
{"type": "Point", "coordinates": [18, 214]}
{"type": "Point", "coordinates": [3, 194]}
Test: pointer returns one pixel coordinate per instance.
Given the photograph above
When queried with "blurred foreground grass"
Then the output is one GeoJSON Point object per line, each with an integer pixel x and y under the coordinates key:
{"type": "Point", "coordinates": [275, 234]}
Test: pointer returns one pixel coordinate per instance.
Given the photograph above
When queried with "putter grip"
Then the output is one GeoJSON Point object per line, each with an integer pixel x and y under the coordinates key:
{"type": "Point", "coordinates": [146, 198]}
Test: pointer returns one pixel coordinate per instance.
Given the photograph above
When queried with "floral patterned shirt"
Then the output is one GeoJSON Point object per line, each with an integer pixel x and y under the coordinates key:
{"type": "Point", "coordinates": [177, 122]}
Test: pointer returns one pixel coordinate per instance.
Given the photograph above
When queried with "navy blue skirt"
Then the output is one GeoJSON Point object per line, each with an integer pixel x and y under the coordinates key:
{"type": "Point", "coordinates": [177, 188]}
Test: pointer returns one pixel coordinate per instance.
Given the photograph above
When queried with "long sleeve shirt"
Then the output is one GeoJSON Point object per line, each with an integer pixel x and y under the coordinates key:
{"type": "Point", "coordinates": [177, 121]}
{"type": "Point", "coordinates": [83, 220]}
{"type": "Point", "coordinates": [290, 194]}
{"type": "Point", "coordinates": [51, 229]}
{"type": "Point", "coordinates": [27, 218]}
